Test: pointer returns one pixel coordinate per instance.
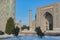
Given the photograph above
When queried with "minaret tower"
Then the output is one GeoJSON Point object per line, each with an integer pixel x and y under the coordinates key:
{"type": "Point", "coordinates": [30, 19]}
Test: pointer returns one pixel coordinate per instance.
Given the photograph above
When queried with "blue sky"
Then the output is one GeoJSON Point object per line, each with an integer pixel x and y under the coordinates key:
{"type": "Point", "coordinates": [23, 7]}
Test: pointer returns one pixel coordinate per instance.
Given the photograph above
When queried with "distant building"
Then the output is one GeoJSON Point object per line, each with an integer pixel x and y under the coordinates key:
{"type": "Point", "coordinates": [7, 9]}
{"type": "Point", "coordinates": [19, 25]}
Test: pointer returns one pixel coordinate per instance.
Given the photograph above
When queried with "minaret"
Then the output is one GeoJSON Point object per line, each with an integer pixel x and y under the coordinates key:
{"type": "Point", "coordinates": [30, 19]}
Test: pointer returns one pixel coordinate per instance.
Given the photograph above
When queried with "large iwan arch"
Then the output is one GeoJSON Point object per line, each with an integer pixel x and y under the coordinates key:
{"type": "Point", "coordinates": [49, 21]}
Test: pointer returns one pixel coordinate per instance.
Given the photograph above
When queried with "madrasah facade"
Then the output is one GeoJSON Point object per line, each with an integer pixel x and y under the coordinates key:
{"type": "Point", "coordinates": [7, 10]}
{"type": "Point", "coordinates": [47, 18]}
